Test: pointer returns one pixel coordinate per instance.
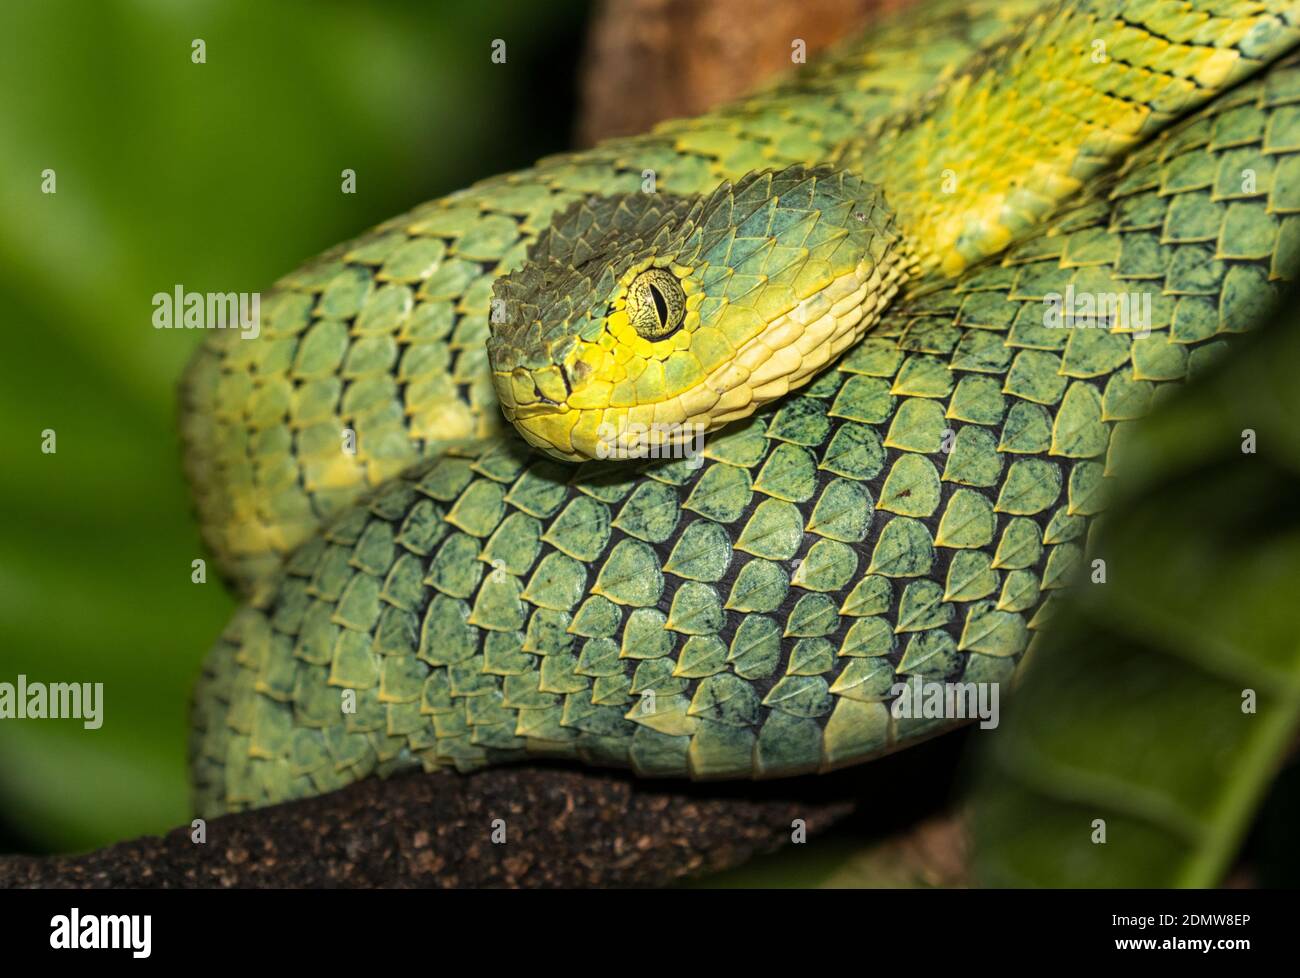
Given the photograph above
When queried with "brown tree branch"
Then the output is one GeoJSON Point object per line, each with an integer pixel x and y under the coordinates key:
{"type": "Point", "coordinates": [649, 60]}
{"type": "Point", "coordinates": [562, 828]}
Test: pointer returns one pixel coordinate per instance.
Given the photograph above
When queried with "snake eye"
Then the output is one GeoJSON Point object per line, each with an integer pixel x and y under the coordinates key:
{"type": "Point", "coordinates": [655, 304]}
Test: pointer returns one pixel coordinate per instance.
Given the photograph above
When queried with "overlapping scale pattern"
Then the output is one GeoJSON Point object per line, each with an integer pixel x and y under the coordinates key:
{"type": "Point", "coordinates": [910, 513]}
{"type": "Point", "coordinates": [982, 160]}
{"type": "Point", "coordinates": [382, 340]}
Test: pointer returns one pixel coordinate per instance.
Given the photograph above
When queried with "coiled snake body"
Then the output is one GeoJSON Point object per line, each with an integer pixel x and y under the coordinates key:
{"type": "Point", "coordinates": [426, 589]}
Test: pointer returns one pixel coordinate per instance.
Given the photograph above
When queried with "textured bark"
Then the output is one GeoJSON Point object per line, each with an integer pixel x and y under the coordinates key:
{"type": "Point", "coordinates": [563, 828]}
{"type": "Point", "coordinates": [649, 60]}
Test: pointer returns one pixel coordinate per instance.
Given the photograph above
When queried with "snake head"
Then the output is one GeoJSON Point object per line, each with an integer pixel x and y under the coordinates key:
{"type": "Point", "coordinates": [637, 322]}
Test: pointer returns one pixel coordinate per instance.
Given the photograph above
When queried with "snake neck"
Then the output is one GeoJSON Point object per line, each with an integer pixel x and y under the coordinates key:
{"type": "Point", "coordinates": [990, 153]}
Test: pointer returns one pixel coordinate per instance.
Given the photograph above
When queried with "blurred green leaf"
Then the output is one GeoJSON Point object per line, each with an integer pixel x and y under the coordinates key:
{"type": "Point", "coordinates": [216, 176]}
{"type": "Point", "coordinates": [1163, 700]}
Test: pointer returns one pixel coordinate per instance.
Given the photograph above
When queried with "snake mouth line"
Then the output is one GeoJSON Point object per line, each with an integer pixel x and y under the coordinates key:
{"type": "Point", "coordinates": [540, 408]}
{"type": "Point", "coordinates": [541, 405]}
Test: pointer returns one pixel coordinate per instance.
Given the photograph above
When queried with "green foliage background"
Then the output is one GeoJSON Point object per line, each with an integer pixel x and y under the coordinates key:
{"type": "Point", "coordinates": [219, 176]}
{"type": "Point", "coordinates": [225, 175]}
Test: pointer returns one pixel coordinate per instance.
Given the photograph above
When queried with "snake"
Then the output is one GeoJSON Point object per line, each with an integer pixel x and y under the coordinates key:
{"type": "Point", "coordinates": [682, 452]}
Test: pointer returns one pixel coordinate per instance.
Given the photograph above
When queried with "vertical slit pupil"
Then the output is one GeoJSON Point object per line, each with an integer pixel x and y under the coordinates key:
{"type": "Point", "coordinates": [661, 307]}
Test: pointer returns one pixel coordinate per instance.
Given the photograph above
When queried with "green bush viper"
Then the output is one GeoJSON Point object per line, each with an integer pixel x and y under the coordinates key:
{"type": "Point", "coordinates": [851, 275]}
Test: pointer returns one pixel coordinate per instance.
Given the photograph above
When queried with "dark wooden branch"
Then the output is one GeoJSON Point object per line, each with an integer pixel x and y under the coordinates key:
{"type": "Point", "coordinates": [562, 828]}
